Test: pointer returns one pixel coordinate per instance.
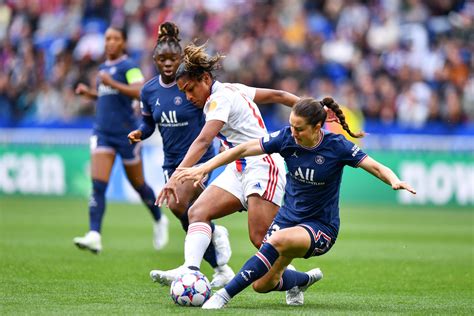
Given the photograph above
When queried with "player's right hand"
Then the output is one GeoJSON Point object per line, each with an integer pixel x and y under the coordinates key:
{"type": "Point", "coordinates": [135, 136]}
{"type": "Point", "coordinates": [168, 191]}
{"type": "Point", "coordinates": [81, 89]}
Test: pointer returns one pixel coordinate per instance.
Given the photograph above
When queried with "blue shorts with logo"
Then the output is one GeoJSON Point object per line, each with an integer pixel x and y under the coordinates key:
{"type": "Point", "coordinates": [115, 143]}
{"type": "Point", "coordinates": [322, 238]}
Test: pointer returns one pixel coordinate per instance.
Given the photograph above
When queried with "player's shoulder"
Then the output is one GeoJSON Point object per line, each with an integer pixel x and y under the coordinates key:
{"type": "Point", "coordinates": [335, 141]}
{"type": "Point", "coordinates": [151, 84]}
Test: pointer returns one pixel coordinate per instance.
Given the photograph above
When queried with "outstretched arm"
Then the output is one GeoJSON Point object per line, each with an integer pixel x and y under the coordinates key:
{"type": "Point", "coordinates": [263, 96]}
{"type": "Point", "coordinates": [385, 174]}
{"type": "Point", "coordinates": [250, 148]}
{"type": "Point", "coordinates": [131, 90]}
{"type": "Point", "coordinates": [195, 152]}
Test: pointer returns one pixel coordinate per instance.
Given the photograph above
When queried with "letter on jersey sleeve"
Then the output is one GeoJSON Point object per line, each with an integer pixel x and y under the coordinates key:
{"type": "Point", "coordinates": [350, 153]}
{"type": "Point", "coordinates": [272, 143]}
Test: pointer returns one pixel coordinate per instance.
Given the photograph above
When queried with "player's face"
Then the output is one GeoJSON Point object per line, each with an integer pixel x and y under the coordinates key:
{"type": "Point", "coordinates": [304, 134]}
{"type": "Point", "coordinates": [197, 91]}
{"type": "Point", "coordinates": [114, 44]}
{"type": "Point", "coordinates": [167, 61]}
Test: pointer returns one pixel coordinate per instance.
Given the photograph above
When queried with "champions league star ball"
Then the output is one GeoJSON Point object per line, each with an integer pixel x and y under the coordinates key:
{"type": "Point", "coordinates": [190, 289]}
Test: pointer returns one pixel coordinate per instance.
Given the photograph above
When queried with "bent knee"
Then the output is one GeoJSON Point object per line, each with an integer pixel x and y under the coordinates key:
{"type": "Point", "coordinates": [198, 214]}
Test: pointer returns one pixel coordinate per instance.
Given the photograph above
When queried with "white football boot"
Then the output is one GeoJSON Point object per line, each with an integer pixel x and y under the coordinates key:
{"type": "Point", "coordinates": [220, 240]}
{"type": "Point", "coordinates": [222, 275]}
{"type": "Point", "coordinates": [217, 301]}
{"type": "Point", "coordinates": [295, 296]}
{"type": "Point", "coordinates": [91, 241]}
{"type": "Point", "coordinates": [160, 232]}
{"type": "Point", "coordinates": [166, 277]}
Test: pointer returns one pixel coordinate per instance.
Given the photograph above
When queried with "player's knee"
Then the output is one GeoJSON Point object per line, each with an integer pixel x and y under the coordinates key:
{"type": "Point", "coordinates": [196, 213]}
{"type": "Point", "coordinates": [178, 209]}
{"type": "Point", "coordinates": [279, 241]}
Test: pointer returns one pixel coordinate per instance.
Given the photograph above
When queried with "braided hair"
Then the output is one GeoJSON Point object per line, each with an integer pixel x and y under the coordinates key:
{"type": "Point", "coordinates": [313, 111]}
{"type": "Point", "coordinates": [196, 62]}
{"type": "Point", "coordinates": [168, 34]}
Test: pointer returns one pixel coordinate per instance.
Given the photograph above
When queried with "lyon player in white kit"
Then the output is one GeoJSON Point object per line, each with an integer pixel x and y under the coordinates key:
{"type": "Point", "coordinates": [255, 183]}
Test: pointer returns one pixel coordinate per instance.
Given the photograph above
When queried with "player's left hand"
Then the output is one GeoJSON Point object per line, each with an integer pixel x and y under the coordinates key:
{"type": "Point", "coordinates": [403, 186]}
{"type": "Point", "coordinates": [106, 78]}
{"type": "Point", "coordinates": [168, 191]}
{"type": "Point", "coordinates": [195, 174]}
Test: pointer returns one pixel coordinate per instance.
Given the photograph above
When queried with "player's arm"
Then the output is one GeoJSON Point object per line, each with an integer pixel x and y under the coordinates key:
{"type": "Point", "coordinates": [146, 129]}
{"type": "Point", "coordinates": [133, 86]}
{"type": "Point", "coordinates": [250, 148]}
{"type": "Point", "coordinates": [86, 91]}
{"type": "Point", "coordinates": [385, 174]}
{"type": "Point", "coordinates": [263, 96]}
{"type": "Point", "coordinates": [200, 145]}
{"type": "Point", "coordinates": [195, 152]}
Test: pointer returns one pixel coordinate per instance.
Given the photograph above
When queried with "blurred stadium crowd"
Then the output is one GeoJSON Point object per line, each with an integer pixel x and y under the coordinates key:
{"type": "Point", "coordinates": [404, 61]}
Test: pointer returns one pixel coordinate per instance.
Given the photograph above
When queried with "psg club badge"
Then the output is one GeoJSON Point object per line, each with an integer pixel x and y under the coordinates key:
{"type": "Point", "coordinates": [319, 159]}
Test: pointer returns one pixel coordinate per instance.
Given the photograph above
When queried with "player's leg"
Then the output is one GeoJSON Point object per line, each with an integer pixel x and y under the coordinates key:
{"type": "Point", "coordinates": [218, 252]}
{"type": "Point", "coordinates": [213, 203]}
{"type": "Point", "coordinates": [268, 267]}
{"type": "Point", "coordinates": [260, 215]}
{"type": "Point", "coordinates": [102, 161]}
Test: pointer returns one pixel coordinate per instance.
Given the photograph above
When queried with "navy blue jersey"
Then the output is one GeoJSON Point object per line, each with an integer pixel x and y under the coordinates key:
{"type": "Point", "coordinates": [179, 121]}
{"type": "Point", "coordinates": [114, 112]}
{"type": "Point", "coordinates": [314, 175]}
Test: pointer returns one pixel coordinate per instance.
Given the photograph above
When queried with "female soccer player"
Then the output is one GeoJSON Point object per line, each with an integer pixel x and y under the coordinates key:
{"type": "Point", "coordinates": [308, 222]}
{"type": "Point", "coordinates": [255, 184]}
{"type": "Point", "coordinates": [118, 84]}
{"type": "Point", "coordinates": [179, 123]}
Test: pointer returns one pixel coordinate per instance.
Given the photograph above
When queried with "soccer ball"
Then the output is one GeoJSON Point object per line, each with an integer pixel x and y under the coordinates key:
{"type": "Point", "coordinates": [190, 289]}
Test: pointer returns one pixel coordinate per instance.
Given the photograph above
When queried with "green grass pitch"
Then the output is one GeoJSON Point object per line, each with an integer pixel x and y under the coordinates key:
{"type": "Point", "coordinates": [387, 260]}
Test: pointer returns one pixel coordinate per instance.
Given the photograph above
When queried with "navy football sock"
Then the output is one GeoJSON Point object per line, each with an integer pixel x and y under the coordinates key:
{"type": "Point", "coordinates": [253, 269]}
{"type": "Point", "coordinates": [97, 205]}
{"type": "Point", "coordinates": [290, 279]}
{"type": "Point", "coordinates": [148, 197]}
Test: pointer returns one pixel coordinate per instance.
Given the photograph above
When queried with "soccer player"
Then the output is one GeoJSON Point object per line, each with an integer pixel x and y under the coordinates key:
{"type": "Point", "coordinates": [308, 222]}
{"type": "Point", "coordinates": [118, 83]}
{"type": "Point", "coordinates": [179, 123]}
{"type": "Point", "coordinates": [255, 184]}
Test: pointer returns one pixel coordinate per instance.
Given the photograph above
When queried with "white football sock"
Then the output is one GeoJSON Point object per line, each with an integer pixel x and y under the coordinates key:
{"type": "Point", "coordinates": [197, 240]}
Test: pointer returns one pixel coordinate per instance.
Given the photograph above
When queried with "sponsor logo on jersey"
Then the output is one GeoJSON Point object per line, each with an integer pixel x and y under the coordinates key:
{"type": "Point", "coordinates": [106, 90]}
{"type": "Point", "coordinates": [157, 103]}
{"type": "Point", "coordinates": [294, 154]}
{"type": "Point", "coordinates": [319, 159]}
{"type": "Point", "coordinates": [178, 100]}
{"type": "Point", "coordinates": [112, 70]}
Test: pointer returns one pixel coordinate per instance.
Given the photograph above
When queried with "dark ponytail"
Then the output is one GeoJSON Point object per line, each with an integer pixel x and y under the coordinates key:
{"type": "Point", "coordinates": [314, 112]}
{"type": "Point", "coordinates": [331, 104]}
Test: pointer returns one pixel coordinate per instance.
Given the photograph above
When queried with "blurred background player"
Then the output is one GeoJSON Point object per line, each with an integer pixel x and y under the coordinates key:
{"type": "Point", "coordinates": [118, 84]}
{"type": "Point", "coordinates": [307, 225]}
{"type": "Point", "coordinates": [254, 184]}
{"type": "Point", "coordinates": [179, 123]}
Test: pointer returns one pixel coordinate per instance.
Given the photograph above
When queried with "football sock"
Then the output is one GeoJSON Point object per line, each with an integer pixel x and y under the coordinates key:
{"type": "Point", "coordinates": [210, 254]}
{"type": "Point", "coordinates": [290, 279]}
{"type": "Point", "coordinates": [148, 197]}
{"type": "Point", "coordinates": [253, 269]}
{"type": "Point", "coordinates": [97, 205]}
{"type": "Point", "coordinates": [197, 240]}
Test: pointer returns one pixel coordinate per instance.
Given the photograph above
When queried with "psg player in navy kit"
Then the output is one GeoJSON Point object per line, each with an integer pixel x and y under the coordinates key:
{"type": "Point", "coordinates": [307, 224]}
{"type": "Point", "coordinates": [118, 84]}
{"type": "Point", "coordinates": [179, 123]}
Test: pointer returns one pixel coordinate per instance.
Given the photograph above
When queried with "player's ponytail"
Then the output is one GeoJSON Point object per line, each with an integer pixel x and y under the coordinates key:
{"type": "Point", "coordinates": [196, 62]}
{"type": "Point", "coordinates": [168, 34]}
{"type": "Point", "coordinates": [313, 111]}
{"type": "Point", "coordinates": [331, 104]}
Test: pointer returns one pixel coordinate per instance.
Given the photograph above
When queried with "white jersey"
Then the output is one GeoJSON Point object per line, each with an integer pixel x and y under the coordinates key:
{"type": "Point", "coordinates": [233, 104]}
{"type": "Point", "coordinates": [263, 175]}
